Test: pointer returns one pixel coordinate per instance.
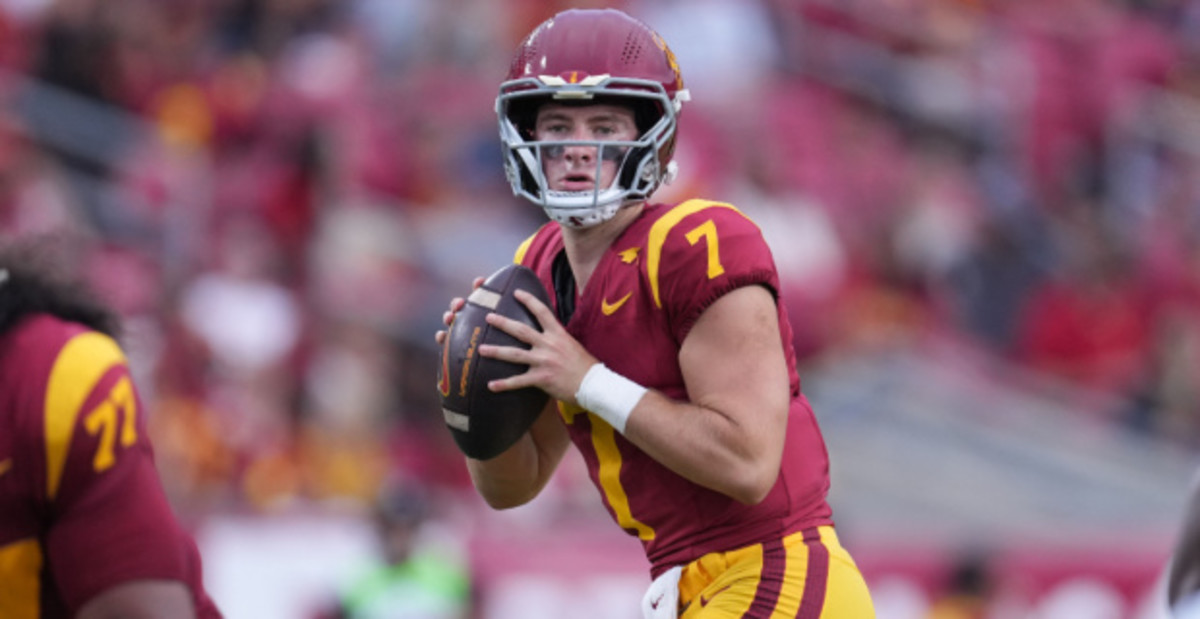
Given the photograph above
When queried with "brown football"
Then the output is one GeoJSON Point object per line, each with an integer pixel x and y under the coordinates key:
{"type": "Point", "coordinates": [483, 422]}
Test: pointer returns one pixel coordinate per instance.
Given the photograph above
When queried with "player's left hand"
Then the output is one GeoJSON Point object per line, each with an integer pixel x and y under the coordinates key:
{"type": "Point", "coordinates": [557, 361]}
{"type": "Point", "coordinates": [456, 305]}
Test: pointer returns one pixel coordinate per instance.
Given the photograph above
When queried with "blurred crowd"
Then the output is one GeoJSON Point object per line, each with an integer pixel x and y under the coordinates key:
{"type": "Point", "coordinates": [281, 196]}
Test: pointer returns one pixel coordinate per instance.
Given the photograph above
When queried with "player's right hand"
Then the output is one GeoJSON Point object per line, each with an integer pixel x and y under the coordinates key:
{"type": "Point", "coordinates": [456, 305]}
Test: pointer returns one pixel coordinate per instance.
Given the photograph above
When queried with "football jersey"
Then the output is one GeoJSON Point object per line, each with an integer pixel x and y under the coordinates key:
{"type": "Point", "coordinates": [81, 505]}
{"type": "Point", "coordinates": [647, 292]}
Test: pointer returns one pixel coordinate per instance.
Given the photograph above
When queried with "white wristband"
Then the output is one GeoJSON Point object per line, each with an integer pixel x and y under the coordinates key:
{"type": "Point", "coordinates": [609, 395]}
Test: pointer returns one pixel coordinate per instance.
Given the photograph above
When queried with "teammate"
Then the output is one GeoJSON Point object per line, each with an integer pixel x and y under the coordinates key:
{"type": "Point", "coordinates": [85, 529]}
{"type": "Point", "coordinates": [667, 353]}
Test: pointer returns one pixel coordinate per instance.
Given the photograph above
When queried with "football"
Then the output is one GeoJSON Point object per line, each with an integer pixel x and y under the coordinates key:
{"type": "Point", "coordinates": [483, 422]}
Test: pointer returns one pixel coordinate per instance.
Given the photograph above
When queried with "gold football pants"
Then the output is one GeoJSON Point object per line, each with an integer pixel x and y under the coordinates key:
{"type": "Point", "coordinates": [806, 575]}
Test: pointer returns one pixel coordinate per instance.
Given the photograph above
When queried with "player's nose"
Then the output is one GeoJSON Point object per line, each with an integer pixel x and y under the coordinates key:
{"type": "Point", "coordinates": [578, 153]}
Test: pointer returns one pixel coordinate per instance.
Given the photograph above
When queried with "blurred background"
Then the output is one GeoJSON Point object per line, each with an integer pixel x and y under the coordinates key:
{"type": "Point", "coordinates": [986, 214]}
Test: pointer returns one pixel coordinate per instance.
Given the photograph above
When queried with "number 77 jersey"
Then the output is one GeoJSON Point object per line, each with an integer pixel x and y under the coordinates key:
{"type": "Point", "coordinates": [646, 294]}
{"type": "Point", "coordinates": [81, 506]}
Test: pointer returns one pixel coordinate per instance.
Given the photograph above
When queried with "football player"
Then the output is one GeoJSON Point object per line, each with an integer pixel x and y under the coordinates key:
{"type": "Point", "coordinates": [667, 351]}
{"type": "Point", "coordinates": [85, 528]}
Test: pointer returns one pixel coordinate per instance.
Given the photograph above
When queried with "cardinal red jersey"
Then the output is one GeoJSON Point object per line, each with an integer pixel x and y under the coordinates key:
{"type": "Point", "coordinates": [81, 505]}
{"type": "Point", "coordinates": [647, 292]}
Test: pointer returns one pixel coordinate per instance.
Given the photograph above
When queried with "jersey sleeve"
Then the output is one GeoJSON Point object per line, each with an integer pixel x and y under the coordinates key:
{"type": "Point", "coordinates": [110, 521]}
{"type": "Point", "coordinates": [699, 251]}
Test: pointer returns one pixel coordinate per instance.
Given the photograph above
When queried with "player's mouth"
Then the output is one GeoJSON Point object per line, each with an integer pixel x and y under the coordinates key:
{"type": "Point", "coordinates": [577, 182]}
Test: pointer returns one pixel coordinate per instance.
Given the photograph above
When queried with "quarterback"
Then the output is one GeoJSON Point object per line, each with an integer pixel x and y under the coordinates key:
{"type": "Point", "coordinates": [85, 528]}
{"type": "Point", "coordinates": [666, 352]}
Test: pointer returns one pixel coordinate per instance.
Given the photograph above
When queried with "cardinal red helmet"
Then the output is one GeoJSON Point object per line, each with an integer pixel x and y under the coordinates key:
{"type": "Point", "coordinates": [600, 56]}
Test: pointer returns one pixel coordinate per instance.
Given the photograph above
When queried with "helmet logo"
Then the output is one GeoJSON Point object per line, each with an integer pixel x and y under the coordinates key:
{"type": "Point", "coordinates": [662, 45]}
{"type": "Point", "coordinates": [568, 85]}
{"type": "Point", "coordinates": [572, 77]}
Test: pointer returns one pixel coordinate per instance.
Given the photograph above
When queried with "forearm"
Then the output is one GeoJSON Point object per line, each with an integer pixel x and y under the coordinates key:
{"type": "Point", "coordinates": [518, 474]}
{"type": "Point", "coordinates": [510, 479]}
{"type": "Point", "coordinates": [707, 446]}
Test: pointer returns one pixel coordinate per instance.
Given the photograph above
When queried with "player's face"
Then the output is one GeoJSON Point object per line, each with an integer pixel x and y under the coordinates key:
{"type": "Point", "coordinates": [573, 168]}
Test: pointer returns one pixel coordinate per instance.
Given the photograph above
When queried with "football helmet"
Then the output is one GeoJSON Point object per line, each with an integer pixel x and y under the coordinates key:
{"type": "Point", "coordinates": [592, 56]}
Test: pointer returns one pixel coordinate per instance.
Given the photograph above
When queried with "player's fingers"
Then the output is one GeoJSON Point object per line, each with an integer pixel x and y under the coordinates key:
{"type": "Point", "coordinates": [544, 316]}
{"type": "Point", "coordinates": [440, 337]}
{"type": "Point", "coordinates": [477, 282]}
{"type": "Point", "coordinates": [519, 330]}
{"type": "Point", "coordinates": [520, 381]}
{"type": "Point", "coordinates": [512, 354]}
{"type": "Point", "coordinates": [457, 304]}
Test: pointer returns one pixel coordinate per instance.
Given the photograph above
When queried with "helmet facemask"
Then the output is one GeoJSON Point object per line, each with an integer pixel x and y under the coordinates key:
{"type": "Point", "coordinates": [639, 171]}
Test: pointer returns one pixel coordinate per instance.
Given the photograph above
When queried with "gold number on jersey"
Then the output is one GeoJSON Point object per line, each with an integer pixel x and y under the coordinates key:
{"type": "Point", "coordinates": [103, 420]}
{"type": "Point", "coordinates": [708, 230]}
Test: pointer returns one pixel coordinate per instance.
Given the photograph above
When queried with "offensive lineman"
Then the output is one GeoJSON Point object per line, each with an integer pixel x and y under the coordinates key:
{"type": "Point", "coordinates": [85, 528]}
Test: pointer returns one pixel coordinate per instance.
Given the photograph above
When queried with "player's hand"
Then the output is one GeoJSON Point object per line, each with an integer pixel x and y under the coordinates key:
{"type": "Point", "coordinates": [456, 305]}
{"type": "Point", "coordinates": [557, 361]}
